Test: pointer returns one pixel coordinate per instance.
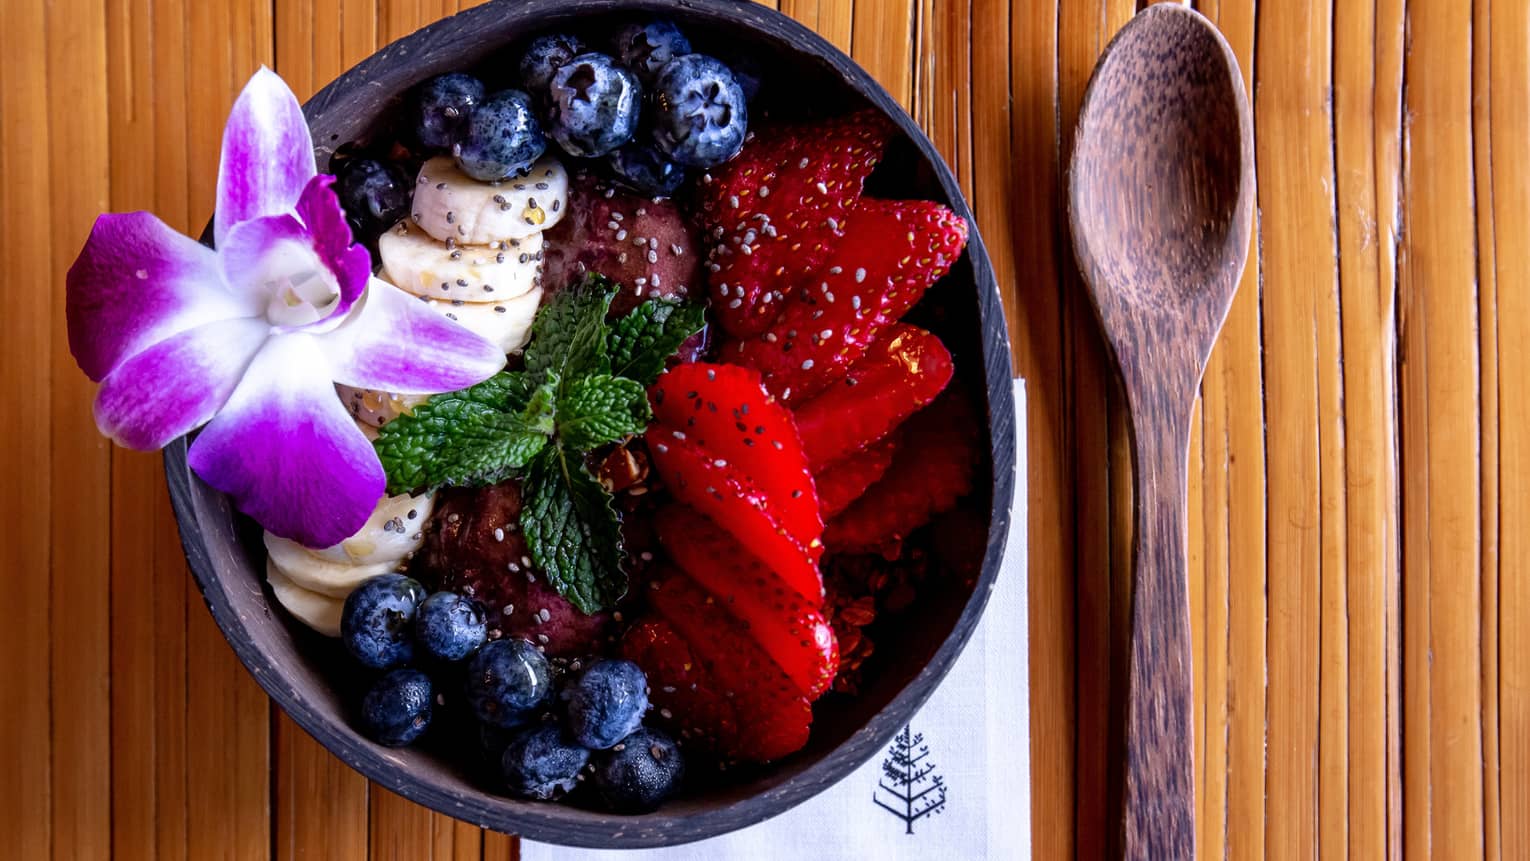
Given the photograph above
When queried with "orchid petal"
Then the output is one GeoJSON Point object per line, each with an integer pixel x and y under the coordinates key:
{"type": "Point", "coordinates": [137, 282]}
{"type": "Point", "coordinates": [243, 252]}
{"type": "Point", "coordinates": [324, 217]}
{"type": "Point", "coordinates": [302, 268]}
{"type": "Point", "coordinates": [272, 260]}
{"type": "Point", "coordinates": [267, 154]}
{"type": "Point", "coordinates": [177, 384]}
{"type": "Point", "coordinates": [287, 452]}
{"type": "Point", "coordinates": [396, 343]}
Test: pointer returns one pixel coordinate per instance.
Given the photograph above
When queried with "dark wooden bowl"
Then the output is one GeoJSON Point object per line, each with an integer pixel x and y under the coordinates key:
{"type": "Point", "coordinates": [302, 672]}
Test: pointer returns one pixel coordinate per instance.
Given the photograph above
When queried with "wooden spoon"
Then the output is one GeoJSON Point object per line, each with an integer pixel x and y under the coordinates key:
{"type": "Point", "coordinates": [1160, 202]}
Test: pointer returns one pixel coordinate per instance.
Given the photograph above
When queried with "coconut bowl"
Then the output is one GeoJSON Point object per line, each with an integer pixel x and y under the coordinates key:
{"type": "Point", "coordinates": [308, 676]}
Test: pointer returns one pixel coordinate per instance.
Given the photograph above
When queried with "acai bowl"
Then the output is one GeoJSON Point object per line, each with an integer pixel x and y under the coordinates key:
{"type": "Point", "coordinates": [808, 367]}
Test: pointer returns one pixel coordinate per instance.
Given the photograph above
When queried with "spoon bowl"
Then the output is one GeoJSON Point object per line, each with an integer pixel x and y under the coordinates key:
{"type": "Point", "coordinates": [1160, 197]}
{"type": "Point", "coordinates": [1161, 186]}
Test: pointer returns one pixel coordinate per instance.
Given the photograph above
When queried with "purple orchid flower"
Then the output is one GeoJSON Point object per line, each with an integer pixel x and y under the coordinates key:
{"type": "Point", "coordinates": [251, 338]}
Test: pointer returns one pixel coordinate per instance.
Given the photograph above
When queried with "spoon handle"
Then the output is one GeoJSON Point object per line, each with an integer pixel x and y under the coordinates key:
{"type": "Point", "coordinates": [1159, 814]}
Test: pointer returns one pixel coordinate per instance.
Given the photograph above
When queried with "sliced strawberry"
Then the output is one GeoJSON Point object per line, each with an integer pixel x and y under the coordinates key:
{"type": "Point", "coordinates": [893, 250]}
{"type": "Point", "coordinates": [773, 716]}
{"type": "Point", "coordinates": [774, 213]}
{"type": "Point", "coordinates": [722, 492]}
{"type": "Point", "coordinates": [932, 468]}
{"type": "Point", "coordinates": [906, 368]}
{"type": "Point", "coordinates": [679, 687]}
{"type": "Point", "coordinates": [757, 165]}
{"type": "Point", "coordinates": [787, 626]}
{"type": "Point", "coordinates": [843, 482]}
{"type": "Point", "coordinates": [723, 409]}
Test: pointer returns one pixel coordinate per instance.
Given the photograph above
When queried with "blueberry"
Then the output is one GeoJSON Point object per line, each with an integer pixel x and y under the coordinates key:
{"type": "Point", "coordinates": [546, 55]}
{"type": "Point", "coordinates": [377, 622]}
{"type": "Point", "coordinates": [508, 680]}
{"type": "Point", "coordinates": [397, 708]}
{"type": "Point", "coordinates": [502, 138]}
{"type": "Point", "coordinates": [699, 116]}
{"type": "Point", "coordinates": [645, 48]}
{"type": "Point", "coordinates": [445, 104]}
{"type": "Point", "coordinates": [542, 763]}
{"type": "Point", "coordinates": [375, 194]}
{"type": "Point", "coordinates": [606, 703]}
{"type": "Point", "coordinates": [645, 170]}
{"type": "Point", "coordinates": [593, 105]}
{"type": "Point", "coordinates": [449, 626]}
{"type": "Point", "coordinates": [640, 772]}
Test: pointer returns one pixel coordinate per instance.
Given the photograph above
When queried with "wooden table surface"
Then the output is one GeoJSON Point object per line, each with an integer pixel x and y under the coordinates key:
{"type": "Point", "coordinates": [1360, 475]}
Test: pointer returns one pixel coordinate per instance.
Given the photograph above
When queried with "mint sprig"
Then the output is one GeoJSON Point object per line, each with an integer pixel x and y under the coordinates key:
{"type": "Point", "coordinates": [582, 386]}
{"type": "Point", "coordinates": [472, 437]}
{"type": "Point", "coordinates": [574, 534]}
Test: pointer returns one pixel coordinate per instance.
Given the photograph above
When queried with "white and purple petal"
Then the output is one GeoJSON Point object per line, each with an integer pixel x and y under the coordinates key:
{"type": "Point", "coordinates": [287, 452]}
{"type": "Point", "coordinates": [137, 282]}
{"type": "Point", "coordinates": [322, 214]}
{"type": "Point", "coordinates": [177, 384]}
{"type": "Point", "coordinates": [393, 342]}
{"type": "Point", "coordinates": [267, 154]}
{"type": "Point", "coordinates": [272, 260]}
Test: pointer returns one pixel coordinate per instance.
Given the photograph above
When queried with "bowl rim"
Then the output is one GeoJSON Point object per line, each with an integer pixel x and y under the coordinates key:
{"type": "Point", "coordinates": [195, 503]}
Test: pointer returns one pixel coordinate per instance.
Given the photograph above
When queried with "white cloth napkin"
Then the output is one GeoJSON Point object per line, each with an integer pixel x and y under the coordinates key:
{"type": "Point", "coordinates": [963, 785]}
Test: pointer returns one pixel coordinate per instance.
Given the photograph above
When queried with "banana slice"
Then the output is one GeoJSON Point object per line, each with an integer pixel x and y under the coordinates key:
{"type": "Point", "coordinates": [371, 408]}
{"type": "Point", "coordinates": [449, 204]}
{"type": "Point", "coordinates": [390, 534]}
{"type": "Point", "coordinates": [507, 324]}
{"type": "Point", "coordinates": [319, 612]}
{"type": "Point", "coordinates": [415, 261]}
{"type": "Point", "coordinates": [335, 579]}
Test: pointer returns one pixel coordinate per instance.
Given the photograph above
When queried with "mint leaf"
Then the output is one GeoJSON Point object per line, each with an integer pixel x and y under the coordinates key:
{"type": "Point", "coordinates": [496, 391]}
{"type": "Point", "coordinates": [574, 535]}
{"type": "Point", "coordinates": [515, 393]}
{"type": "Point", "coordinates": [599, 409]}
{"type": "Point", "coordinates": [465, 438]}
{"type": "Point", "coordinates": [568, 336]}
{"type": "Point", "coordinates": [642, 340]}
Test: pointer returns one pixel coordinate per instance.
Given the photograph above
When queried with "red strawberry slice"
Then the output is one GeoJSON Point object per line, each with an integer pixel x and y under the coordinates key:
{"type": "Point", "coordinates": [773, 717]}
{"type": "Point", "coordinates": [758, 165]}
{"type": "Point", "coordinates": [843, 481]}
{"type": "Point", "coordinates": [893, 250]}
{"type": "Point", "coordinates": [723, 410]}
{"type": "Point", "coordinates": [722, 492]}
{"type": "Point", "coordinates": [774, 213]}
{"type": "Point", "coordinates": [905, 369]}
{"type": "Point", "coordinates": [932, 468]}
{"type": "Point", "coordinates": [678, 686]}
{"type": "Point", "coordinates": [788, 627]}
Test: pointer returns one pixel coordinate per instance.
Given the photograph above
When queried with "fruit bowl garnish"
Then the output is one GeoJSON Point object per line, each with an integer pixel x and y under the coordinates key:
{"type": "Point", "coordinates": [251, 337]}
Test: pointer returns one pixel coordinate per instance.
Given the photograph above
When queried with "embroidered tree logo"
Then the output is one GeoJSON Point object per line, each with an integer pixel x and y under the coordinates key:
{"type": "Point", "coordinates": [909, 789]}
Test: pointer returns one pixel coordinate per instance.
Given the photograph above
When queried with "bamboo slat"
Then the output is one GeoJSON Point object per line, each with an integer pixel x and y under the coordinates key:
{"type": "Point", "coordinates": [80, 562]}
{"type": "Point", "coordinates": [1507, 775]}
{"type": "Point", "coordinates": [25, 355]}
{"type": "Point", "coordinates": [1441, 441]}
{"type": "Point", "coordinates": [1365, 145]}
